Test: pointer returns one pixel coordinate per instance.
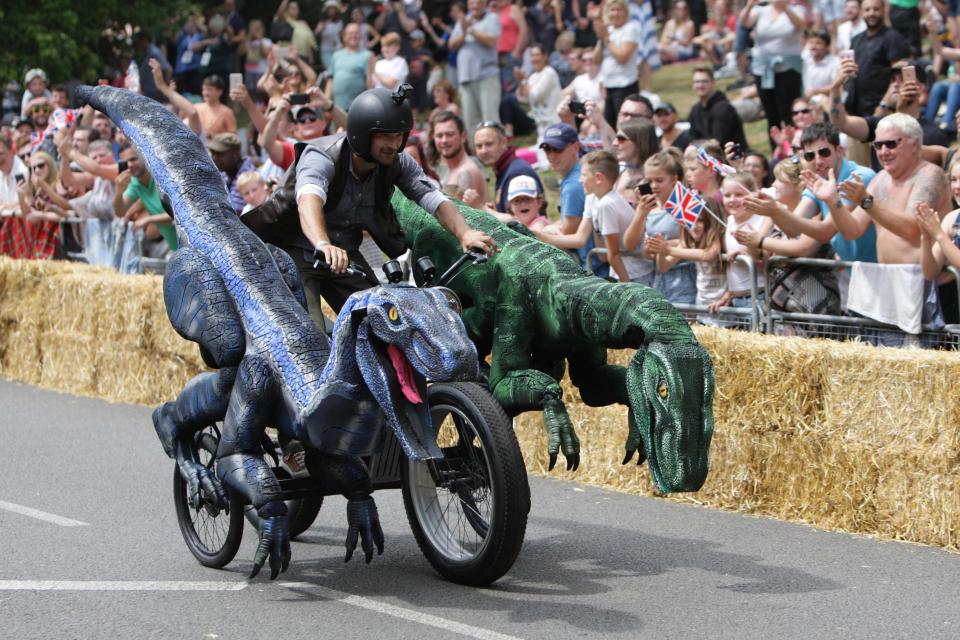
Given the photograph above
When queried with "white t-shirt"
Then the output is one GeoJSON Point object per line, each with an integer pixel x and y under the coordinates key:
{"type": "Point", "coordinates": [394, 68]}
{"type": "Point", "coordinates": [544, 94]}
{"type": "Point", "coordinates": [738, 274]}
{"type": "Point", "coordinates": [819, 74]}
{"type": "Point", "coordinates": [777, 37]}
{"type": "Point", "coordinates": [612, 73]}
{"type": "Point", "coordinates": [8, 182]}
{"type": "Point", "coordinates": [611, 215]}
{"type": "Point", "coordinates": [587, 88]}
{"type": "Point", "coordinates": [846, 30]}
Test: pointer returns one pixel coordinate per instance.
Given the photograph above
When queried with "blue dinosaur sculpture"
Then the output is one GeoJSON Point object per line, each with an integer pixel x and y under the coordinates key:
{"type": "Point", "coordinates": [242, 302]}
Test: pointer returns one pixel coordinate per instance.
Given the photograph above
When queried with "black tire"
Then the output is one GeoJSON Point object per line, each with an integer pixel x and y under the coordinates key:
{"type": "Point", "coordinates": [301, 512]}
{"type": "Point", "coordinates": [471, 526]}
{"type": "Point", "coordinates": [212, 539]}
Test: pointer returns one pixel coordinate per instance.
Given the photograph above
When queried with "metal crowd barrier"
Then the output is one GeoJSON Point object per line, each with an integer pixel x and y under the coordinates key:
{"type": "Point", "coordinates": [762, 317]}
{"type": "Point", "coordinates": [73, 224]}
{"type": "Point", "coordinates": [746, 318]}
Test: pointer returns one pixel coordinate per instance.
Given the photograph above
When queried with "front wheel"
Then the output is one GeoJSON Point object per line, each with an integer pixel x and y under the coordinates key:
{"type": "Point", "coordinates": [468, 511]}
{"type": "Point", "coordinates": [212, 539]}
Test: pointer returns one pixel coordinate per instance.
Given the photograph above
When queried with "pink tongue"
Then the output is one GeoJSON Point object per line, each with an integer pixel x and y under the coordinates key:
{"type": "Point", "coordinates": [404, 374]}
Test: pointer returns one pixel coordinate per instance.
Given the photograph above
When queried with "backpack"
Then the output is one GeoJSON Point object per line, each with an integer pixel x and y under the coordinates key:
{"type": "Point", "coordinates": [802, 289]}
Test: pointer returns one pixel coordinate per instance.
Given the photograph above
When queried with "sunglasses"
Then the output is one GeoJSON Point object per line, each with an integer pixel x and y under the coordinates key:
{"type": "Point", "coordinates": [823, 152]}
{"type": "Point", "coordinates": [40, 109]}
{"type": "Point", "coordinates": [306, 116]}
{"type": "Point", "coordinates": [801, 112]}
{"type": "Point", "coordinates": [39, 165]}
{"type": "Point", "coordinates": [490, 124]}
{"type": "Point", "coordinates": [889, 144]}
{"type": "Point", "coordinates": [622, 138]}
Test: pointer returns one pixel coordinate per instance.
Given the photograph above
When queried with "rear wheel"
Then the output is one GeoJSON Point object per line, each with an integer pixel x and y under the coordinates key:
{"type": "Point", "coordinates": [468, 511]}
{"type": "Point", "coordinates": [213, 539]}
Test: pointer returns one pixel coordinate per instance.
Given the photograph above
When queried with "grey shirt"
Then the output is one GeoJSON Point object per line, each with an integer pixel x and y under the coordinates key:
{"type": "Point", "coordinates": [476, 61]}
{"type": "Point", "coordinates": [347, 218]}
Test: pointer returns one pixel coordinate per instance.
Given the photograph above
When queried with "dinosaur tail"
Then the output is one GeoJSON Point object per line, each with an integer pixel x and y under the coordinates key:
{"type": "Point", "coordinates": [176, 157]}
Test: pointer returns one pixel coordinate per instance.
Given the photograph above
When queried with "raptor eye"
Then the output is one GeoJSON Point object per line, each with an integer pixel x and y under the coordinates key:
{"type": "Point", "coordinates": [392, 313]}
{"type": "Point", "coordinates": [662, 391]}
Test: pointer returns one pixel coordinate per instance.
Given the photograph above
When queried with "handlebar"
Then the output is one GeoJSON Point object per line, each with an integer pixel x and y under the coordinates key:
{"type": "Point", "coordinates": [353, 269]}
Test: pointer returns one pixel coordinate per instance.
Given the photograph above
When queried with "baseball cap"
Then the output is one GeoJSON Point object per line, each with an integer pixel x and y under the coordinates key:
{"type": "Point", "coordinates": [559, 136]}
{"type": "Point", "coordinates": [224, 142]}
{"type": "Point", "coordinates": [522, 186]}
{"type": "Point", "coordinates": [33, 74]}
{"type": "Point", "coordinates": [416, 34]}
{"type": "Point", "coordinates": [664, 106]}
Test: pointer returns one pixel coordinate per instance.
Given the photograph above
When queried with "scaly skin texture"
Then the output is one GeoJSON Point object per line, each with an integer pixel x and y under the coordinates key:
{"type": "Point", "coordinates": [532, 309]}
{"type": "Point", "coordinates": [242, 302]}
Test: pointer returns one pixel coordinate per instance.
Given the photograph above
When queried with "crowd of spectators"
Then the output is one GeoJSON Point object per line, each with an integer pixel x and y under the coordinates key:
{"type": "Point", "coordinates": [859, 99]}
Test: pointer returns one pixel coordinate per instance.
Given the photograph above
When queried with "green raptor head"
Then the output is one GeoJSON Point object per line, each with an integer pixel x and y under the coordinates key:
{"type": "Point", "coordinates": [670, 387]}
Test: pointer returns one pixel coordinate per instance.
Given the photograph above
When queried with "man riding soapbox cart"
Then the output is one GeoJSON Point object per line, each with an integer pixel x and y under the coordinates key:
{"type": "Point", "coordinates": [467, 505]}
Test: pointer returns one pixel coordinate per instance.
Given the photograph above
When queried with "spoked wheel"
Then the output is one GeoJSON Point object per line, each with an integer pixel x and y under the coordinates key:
{"type": "Point", "coordinates": [212, 539]}
{"type": "Point", "coordinates": [468, 511]}
{"type": "Point", "coordinates": [301, 512]}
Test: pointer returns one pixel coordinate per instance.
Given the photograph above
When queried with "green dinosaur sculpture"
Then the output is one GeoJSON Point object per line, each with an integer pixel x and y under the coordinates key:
{"type": "Point", "coordinates": [532, 307]}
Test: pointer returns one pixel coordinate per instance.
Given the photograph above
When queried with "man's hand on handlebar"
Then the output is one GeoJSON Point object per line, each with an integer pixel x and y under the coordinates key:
{"type": "Point", "coordinates": [478, 240]}
{"type": "Point", "coordinates": [334, 256]}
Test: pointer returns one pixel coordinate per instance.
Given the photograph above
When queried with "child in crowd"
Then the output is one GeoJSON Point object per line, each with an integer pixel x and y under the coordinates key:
{"type": "Point", "coordinates": [736, 188]}
{"type": "Point", "coordinates": [421, 62]}
{"type": "Point", "coordinates": [701, 245]}
{"type": "Point", "coordinates": [252, 189]}
{"type": "Point", "coordinates": [699, 176]}
{"type": "Point", "coordinates": [524, 201]}
{"type": "Point", "coordinates": [390, 70]}
{"type": "Point", "coordinates": [661, 172]}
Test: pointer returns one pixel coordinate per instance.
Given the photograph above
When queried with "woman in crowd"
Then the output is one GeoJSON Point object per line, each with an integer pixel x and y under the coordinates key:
{"type": "Point", "coordinates": [636, 141]}
{"type": "Point", "coordinates": [758, 166]}
{"type": "Point", "coordinates": [676, 41]}
{"type": "Point", "coordinates": [257, 50]}
{"type": "Point", "coordinates": [35, 233]}
{"type": "Point", "coordinates": [328, 29]}
{"type": "Point", "coordinates": [777, 64]}
{"type": "Point", "coordinates": [303, 39]}
{"type": "Point", "coordinates": [444, 98]}
{"type": "Point", "coordinates": [939, 240]}
{"type": "Point", "coordinates": [616, 53]}
{"type": "Point", "coordinates": [350, 66]}
{"type": "Point", "coordinates": [541, 90]}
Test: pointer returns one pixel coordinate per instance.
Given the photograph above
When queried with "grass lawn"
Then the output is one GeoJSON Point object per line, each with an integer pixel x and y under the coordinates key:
{"type": "Point", "coordinates": [672, 84]}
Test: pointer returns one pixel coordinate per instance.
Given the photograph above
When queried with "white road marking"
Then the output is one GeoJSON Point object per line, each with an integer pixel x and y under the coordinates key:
{"type": "Point", "coordinates": [118, 585]}
{"type": "Point", "coordinates": [400, 612]}
{"type": "Point", "coordinates": [41, 515]}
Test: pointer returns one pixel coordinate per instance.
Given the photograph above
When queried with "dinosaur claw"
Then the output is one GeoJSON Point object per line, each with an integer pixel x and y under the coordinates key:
{"type": "Point", "coordinates": [627, 457]}
{"type": "Point", "coordinates": [254, 571]}
{"type": "Point", "coordinates": [364, 526]}
{"type": "Point", "coordinates": [553, 461]}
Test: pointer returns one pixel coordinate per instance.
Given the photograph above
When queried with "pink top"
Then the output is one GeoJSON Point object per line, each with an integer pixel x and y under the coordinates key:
{"type": "Point", "coordinates": [509, 31]}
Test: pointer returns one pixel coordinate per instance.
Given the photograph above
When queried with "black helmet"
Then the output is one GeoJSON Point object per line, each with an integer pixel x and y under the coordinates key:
{"type": "Point", "coordinates": [378, 111]}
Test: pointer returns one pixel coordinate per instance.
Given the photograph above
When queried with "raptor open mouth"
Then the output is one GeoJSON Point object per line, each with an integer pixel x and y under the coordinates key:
{"type": "Point", "coordinates": [405, 375]}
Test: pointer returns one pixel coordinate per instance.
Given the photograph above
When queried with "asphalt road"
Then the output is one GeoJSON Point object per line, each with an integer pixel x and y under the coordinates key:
{"type": "Point", "coordinates": [594, 563]}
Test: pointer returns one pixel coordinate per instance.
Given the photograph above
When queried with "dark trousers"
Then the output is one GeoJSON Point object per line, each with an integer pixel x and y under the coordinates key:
{"type": "Point", "coordinates": [615, 96]}
{"type": "Point", "coordinates": [512, 113]}
{"type": "Point", "coordinates": [334, 288]}
{"type": "Point", "coordinates": [777, 102]}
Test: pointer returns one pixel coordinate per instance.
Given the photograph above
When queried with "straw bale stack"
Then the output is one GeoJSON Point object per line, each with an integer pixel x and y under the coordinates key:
{"type": "Point", "coordinates": [85, 330]}
{"type": "Point", "coordinates": [840, 435]}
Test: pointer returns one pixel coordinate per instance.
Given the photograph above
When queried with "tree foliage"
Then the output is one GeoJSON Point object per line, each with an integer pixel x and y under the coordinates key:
{"type": "Point", "coordinates": [66, 37]}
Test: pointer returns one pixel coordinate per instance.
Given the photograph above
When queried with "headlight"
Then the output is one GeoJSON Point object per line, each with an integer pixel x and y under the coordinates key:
{"type": "Point", "coordinates": [452, 299]}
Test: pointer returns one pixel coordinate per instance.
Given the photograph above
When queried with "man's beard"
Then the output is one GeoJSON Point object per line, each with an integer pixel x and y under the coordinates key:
{"type": "Point", "coordinates": [451, 153]}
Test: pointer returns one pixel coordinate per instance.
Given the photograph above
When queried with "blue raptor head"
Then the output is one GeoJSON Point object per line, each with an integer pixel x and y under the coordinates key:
{"type": "Point", "coordinates": [403, 337]}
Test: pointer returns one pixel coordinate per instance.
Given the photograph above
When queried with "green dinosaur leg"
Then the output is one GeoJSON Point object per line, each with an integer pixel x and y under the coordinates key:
{"type": "Point", "coordinates": [602, 384]}
{"type": "Point", "coordinates": [518, 386]}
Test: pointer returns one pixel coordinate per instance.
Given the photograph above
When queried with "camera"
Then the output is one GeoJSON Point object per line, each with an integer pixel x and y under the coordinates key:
{"type": "Point", "coordinates": [123, 165]}
{"type": "Point", "coordinates": [577, 107]}
{"type": "Point", "coordinates": [299, 98]}
{"type": "Point", "coordinates": [644, 189]}
{"type": "Point", "coordinates": [737, 152]}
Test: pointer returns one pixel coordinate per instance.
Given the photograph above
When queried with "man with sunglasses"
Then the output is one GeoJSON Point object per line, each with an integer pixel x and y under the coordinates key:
{"type": "Point", "coordinates": [820, 203]}
{"type": "Point", "coordinates": [301, 123]}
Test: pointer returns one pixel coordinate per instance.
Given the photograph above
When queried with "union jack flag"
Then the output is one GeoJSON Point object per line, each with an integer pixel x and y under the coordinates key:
{"type": "Point", "coordinates": [709, 161]}
{"type": "Point", "coordinates": [685, 205]}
